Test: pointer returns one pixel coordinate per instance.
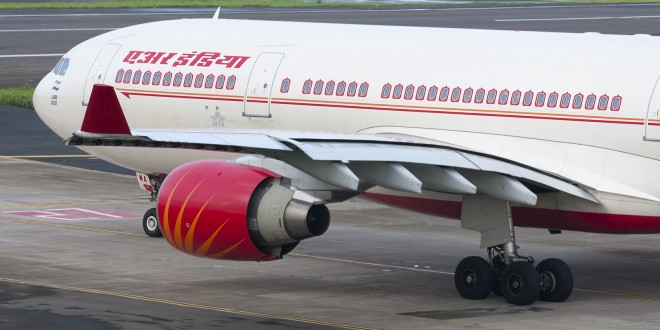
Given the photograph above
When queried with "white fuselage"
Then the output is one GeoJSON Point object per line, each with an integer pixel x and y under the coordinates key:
{"type": "Point", "coordinates": [574, 105]}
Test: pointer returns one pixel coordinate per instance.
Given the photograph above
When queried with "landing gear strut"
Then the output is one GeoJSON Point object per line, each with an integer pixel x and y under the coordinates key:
{"type": "Point", "coordinates": [506, 273]}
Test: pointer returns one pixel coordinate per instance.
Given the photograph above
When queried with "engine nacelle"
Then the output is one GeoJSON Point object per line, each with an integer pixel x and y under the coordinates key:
{"type": "Point", "coordinates": [221, 210]}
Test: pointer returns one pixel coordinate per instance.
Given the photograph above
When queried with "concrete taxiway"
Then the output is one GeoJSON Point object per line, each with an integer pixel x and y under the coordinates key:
{"type": "Point", "coordinates": [74, 256]}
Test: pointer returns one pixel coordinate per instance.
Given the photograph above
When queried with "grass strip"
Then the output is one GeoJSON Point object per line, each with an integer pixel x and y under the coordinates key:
{"type": "Point", "coordinates": [18, 96]}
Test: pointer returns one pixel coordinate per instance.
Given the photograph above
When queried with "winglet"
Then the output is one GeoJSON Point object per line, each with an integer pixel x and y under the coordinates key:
{"type": "Point", "coordinates": [104, 115]}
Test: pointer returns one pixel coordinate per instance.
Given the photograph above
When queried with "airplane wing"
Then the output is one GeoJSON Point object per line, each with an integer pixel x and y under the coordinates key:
{"type": "Point", "coordinates": [349, 161]}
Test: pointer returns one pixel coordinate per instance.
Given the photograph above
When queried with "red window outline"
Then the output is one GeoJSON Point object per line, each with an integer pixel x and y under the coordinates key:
{"type": "Point", "coordinates": [167, 78]}
{"type": "Point", "coordinates": [397, 93]}
{"type": "Point", "coordinates": [579, 97]}
{"type": "Point", "coordinates": [444, 91]}
{"type": "Point", "coordinates": [536, 101]}
{"type": "Point", "coordinates": [456, 94]}
{"type": "Point", "coordinates": [158, 75]}
{"type": "Point", "coordinates": [341, 88]}
{"type": "Point", "coordinates": [128, 76]}
{"type": "Point", "coordinates": [146, 78]}
{"type": "Point", "coordinates": [561, 100]}
{"type": "Point", "coordinates": [551, 103]}
{"type": "Point", "coordinates": [467, 95]}
{"type": "Point", "coordinates": [526, 102]}
{"type": "Point", "coordinates": [285, 85]}
{"type": "Point", "coordinates": [617, 100]}
{"type": "Point", "coordinates": [479, 96]}
{"type": "Point", "coordinates": [386, 91]}
{"type": "Point", "coordinates": [432, 94]}
{"type": "Point", "coordinates": [330, 87]}
{"type": "Point", "coordinates": [352, 89]}
{"type": "Point", "coordinates": [209, 81]}
{"type": "Point", "coordinates": [363, 90]}
{"type": "Point", "coordinates": [307, 86]}
{"type": "Point", "coordinates": [318, 87]}
{"type": "Point", "coordinates": [231, 82]}
{"type": "Point", "coordinates": [503, 94]}
{"type": "Point", "coordinates": [409, 93]}
{"type": "Point", "coordinates": [137, 77]}
{"type": "Point", "coordinates": [178, 76]}
{"type": "Point", "coordinates": [199, 81]}
{"type": "Point", "coordinates": [422, 89]}
{"type": "Point", "coordinates": [188, 79]}
{"type": "Point", "coordinates": [516, 97]}
{"type": "Point", "coordinates": [493, 93]}
{"type": "Point", "coordinates": [120, 76]}
{"type": "Point", "coordinates": [607, 101]}
{"type": "Point", "coordinates": [220, 82]}
{"type": "Point", "coordinates": [593, 98]}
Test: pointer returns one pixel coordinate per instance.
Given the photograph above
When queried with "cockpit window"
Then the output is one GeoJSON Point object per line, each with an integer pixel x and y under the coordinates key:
{"type": "Point", "coordinates": [61, 66]}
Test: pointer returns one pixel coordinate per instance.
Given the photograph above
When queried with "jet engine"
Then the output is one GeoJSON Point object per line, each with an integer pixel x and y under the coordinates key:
{"type": "Point", "coordinates": [222, 210]}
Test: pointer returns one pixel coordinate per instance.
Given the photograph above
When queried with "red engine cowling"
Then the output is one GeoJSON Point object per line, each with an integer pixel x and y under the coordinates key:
{"type": "Point", "coordinates": [221, 210]}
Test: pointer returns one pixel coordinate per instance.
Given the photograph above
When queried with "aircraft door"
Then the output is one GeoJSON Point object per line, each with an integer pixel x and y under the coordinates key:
{"type": "Point", "coordinates": [260, 85]}
{"type": "Point", "coordinates": [652, 120]}
{"type": "Point", "coordinates": [99, 69]}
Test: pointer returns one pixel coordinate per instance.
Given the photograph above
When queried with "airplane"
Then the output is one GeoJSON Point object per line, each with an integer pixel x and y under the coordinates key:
{"type": "Point", "coordinates": [242, 131]}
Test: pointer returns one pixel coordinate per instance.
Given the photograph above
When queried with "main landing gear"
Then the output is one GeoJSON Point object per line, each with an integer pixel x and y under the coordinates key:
{"type": "Point", "coordinates": [513, 277]}
{"type": "Point", "coordinates": [506, 273]}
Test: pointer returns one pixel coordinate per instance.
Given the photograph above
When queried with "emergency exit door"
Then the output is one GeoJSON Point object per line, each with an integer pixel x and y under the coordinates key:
{"type": "Point", "coordinates": [260, 85]}
{"type": "Point", "coordinates": [99, 69]}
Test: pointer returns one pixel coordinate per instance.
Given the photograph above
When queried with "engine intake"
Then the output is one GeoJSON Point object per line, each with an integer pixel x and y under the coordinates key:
{"type": "Point", "coordinates": [222, 210]}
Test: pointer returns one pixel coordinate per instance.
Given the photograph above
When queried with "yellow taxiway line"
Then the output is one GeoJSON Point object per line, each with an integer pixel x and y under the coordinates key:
{"type": "Point", "coordinates": [183, 304]}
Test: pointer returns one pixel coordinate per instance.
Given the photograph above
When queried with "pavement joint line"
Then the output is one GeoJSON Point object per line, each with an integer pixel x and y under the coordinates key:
{"type": "Point", "coordinates": [61, 225]}
{"type": "Point", "coordinates": [29, 161]}
{"type": "Point", "coordinates": [371, 264]}
{"type": "Point", "coordinates": [631, 296]}
{"type": "Point", "coordinates": [183, 304]}
{"type": "Point", "coordinates": [622, 295]}
{"type": "Point", "coordinates": [72, 203]}
{"type": "Point", "coordinates": [48, 156]}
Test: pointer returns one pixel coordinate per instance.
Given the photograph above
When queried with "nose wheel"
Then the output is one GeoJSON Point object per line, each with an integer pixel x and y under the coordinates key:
{"type": "Point", "coordinates": [150, 223]}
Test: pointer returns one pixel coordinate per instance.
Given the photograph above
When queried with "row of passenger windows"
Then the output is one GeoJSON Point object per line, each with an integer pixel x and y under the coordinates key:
{"type": "Point", "coordinates": [176, 80]}
{"type": "Point", "coordinates": [329, 88]}
{"type": "Point", "coordinates": [504, 97]}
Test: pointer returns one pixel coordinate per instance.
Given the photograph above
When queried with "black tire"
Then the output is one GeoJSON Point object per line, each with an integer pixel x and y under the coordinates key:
{"type": "Point", "coordinates": [150, 223]}
{"type": "Point", "coordinates": [556, 280]}
{"type": "Point", "coordinates": [521, 283]}
{"type": "Point", "coordinates": [498, 268]}
{"type": "Point", "coordinates": [474, 278]}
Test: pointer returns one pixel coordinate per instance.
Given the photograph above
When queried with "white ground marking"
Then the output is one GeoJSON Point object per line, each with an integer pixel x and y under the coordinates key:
{"type": "Point", "coordinates": [574, 18]}
{"type": "Point", "coordinates": [30, 55]}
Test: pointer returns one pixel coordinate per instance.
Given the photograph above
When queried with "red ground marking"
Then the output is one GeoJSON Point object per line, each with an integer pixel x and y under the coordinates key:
{"type": "Point", "coordinates": [72, 214]}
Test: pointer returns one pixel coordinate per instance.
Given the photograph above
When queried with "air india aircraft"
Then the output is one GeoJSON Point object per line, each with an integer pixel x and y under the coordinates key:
{"type": "Point", "coordinates": [243, 130]}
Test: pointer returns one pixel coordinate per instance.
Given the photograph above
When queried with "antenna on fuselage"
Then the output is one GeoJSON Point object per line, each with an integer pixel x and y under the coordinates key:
{"type": "Point", "coordinates": [217, 13]}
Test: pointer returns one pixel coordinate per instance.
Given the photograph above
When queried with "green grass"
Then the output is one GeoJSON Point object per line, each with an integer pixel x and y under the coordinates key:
{"type": "Point", "coordinates": [20, 96]}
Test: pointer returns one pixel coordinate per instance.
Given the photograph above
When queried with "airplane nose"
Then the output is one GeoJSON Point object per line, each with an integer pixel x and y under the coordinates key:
{"type": "Point", "coordinates": [44, 101]}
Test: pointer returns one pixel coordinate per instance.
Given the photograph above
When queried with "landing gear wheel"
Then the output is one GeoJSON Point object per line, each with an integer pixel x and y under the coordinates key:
{"type": "Point", "coordinates": [556, 280]}
{"type": "Point", "coordinates": [498, 268]}
{"type": "Point", "coordinates": [521, 283]}
{"type": "Point", "coordinates": [474, 278]}
{"type": "Point", "coordinates": [150, 223]}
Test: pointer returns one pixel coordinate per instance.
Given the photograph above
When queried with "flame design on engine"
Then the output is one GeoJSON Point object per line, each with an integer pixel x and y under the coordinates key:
{"type": "Point", "coordinates": [187, 244]}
